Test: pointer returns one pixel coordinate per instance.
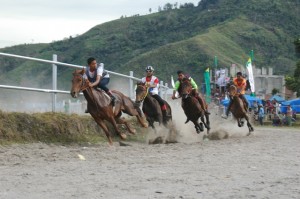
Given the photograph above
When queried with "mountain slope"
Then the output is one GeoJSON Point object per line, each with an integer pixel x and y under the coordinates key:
{"type": "Point", "coordinates": [186, 38]}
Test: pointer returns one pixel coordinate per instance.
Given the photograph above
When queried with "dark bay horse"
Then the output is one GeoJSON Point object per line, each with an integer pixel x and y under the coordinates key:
{"type": "Point", "coordinates": [192, 107]}
{"type": "Point", "coordinates": [151, 107]}
{"type": "Point", "coordinates": [238, 108]}
{"type": "Point", "coordinates": [100, 108]}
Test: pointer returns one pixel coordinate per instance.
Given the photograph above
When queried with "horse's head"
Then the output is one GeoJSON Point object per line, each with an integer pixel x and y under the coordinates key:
{"type": "Point", "coordinates": [141, 92]}
{"type": "Point", "coordinates": [78, 83]}
{"type": "Point", "coordinates": [232, 90]}
{"type": "Point", "coordinates": [185, 88]}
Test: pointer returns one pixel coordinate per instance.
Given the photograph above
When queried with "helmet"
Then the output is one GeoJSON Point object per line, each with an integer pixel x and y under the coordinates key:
{"type": "Point", "coordinates": [149, 68]}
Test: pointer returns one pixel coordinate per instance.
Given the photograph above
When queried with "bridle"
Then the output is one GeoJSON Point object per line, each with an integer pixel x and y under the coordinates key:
{"type": "Point", "coordinates": [84, 85]}
{"type": "Point", "coordinates": [147, 91]}
{"type": "Point", "coordinates": [189, 90]}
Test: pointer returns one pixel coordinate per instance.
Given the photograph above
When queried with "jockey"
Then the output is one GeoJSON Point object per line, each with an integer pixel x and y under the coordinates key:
{"type": "Point", "coordinates": [240, 84]}
{"type": "Point", "coordinates": [98, 77]}
{"type": "Point", "coordinates": [153, 83]}
{"type": "Point", "coordinates": [195, 93]}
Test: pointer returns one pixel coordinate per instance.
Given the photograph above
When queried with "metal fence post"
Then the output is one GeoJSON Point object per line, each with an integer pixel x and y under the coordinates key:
{"type": "Point", "coordinates": [160, 86]}
{"type": "Point", "coordinates": [166, 91]}
{"type": "Point", "coordinates": [131, 85]}
{"type": "Point", "coordinates": [54, 82]}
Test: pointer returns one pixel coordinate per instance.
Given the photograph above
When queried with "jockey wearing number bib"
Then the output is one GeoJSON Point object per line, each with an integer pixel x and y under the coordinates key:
{"type": "Point", "coordinates": [195, 93]}
{"type": "Point", "coordinates": [153, 83]}
{"type": "Point", "coordinates": [240, 84]}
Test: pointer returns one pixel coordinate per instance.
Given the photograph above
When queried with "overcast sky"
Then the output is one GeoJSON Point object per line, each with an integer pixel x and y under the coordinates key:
{"type": "Point", "coordinates": [44, 21]}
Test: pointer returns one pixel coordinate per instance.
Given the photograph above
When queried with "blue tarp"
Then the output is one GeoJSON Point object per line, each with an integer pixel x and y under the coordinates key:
{"type": "Point", "coordinates": [249, 98]}
{"type": "Point", "coordinates": [278, 98]}
{"type": "Point", "coordinates": [295, 105]}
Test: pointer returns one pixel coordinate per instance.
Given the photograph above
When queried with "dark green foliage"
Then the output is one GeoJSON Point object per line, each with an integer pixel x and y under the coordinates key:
{"type": "Point", "coordinates": [293, 83]}
{"type": "Point", "coordinates": [275, 91]}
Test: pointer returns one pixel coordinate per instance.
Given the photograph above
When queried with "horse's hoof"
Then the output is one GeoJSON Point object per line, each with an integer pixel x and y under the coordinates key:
{"type": "Point", "coordinates": [249, 134]}
{"type": "Point", "coordinates": [205, 137]}
{"type": "Point", "coordinates": [123, 136]}
{"type": "Point", "coordinates": [132, 131]}
{"type": "Point", "coordinates": [201, 127]}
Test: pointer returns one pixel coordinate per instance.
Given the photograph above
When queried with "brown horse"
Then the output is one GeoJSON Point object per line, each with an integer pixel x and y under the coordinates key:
{"type": "Point", "coordinates": [151, 107]}
{"type": "Point", "coordinates": [100, 108]}
{"type": "Point", "coordinates": [192, 107]}
{"type": "Point", "coordinates": [239, 108]}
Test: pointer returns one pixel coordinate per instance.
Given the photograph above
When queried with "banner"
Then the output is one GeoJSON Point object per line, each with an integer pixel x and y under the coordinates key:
{"type": "Point", "coordinates": [251, 78]}
{"type": "Point", "coordinates": [207, 84]}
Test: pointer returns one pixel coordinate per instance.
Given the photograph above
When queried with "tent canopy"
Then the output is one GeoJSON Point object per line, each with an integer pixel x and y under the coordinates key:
{"type": "Point", "coordinates": [278, 98]}
{"type": "Point", "coordinates": [295, 105]}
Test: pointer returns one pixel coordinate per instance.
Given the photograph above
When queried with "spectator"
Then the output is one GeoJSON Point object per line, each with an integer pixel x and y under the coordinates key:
{"type": "Point", "coordinates": [289, 115]}
{"type": "Point", "coordinates": [261, 114]}
{"type": "Point", "coordinates": [255, 107]}
{"type": "Point", "coordinates": [276, 120]}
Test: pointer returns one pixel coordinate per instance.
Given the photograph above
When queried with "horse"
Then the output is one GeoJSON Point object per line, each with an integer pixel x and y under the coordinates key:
{"type": "Point", "coordinates": [100, 107]}
{"type": "Point", "coordinates": [239, 108]}
{"type": "Point", "coordinates": [151, 107]}
{"type": "Point", "coordinates": [192, 107]}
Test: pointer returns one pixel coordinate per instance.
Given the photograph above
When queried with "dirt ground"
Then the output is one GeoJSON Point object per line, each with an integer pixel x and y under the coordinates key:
{"type": "Point", "coordinates": [263, 165]}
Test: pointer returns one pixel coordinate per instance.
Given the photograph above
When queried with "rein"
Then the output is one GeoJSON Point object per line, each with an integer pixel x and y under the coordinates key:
{"type": "Point", "coordinates": [147, 91]}
{"type": "Point", "coordinates": [82, 86]}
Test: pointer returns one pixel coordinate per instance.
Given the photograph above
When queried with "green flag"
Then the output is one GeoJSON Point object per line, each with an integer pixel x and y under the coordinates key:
{"type": "Point", "coordinates": [207, 84]}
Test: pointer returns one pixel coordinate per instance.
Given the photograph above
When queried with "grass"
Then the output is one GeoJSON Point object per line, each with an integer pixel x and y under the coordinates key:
{"type": "Point", "coordinates": [57, 128]}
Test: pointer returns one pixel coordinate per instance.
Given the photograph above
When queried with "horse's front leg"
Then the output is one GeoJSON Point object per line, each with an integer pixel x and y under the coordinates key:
{"type": "Point", "coordinates": [250, 127]}
{"type": "Point", "coordinates": [239, 122]}
{"type": "Point", "coordinates": [141, 121]}
{"type": "Point", "coordinates": [198, 127]}
{"type": "Point", "coordinates": [101, 123]}
{"type": "Point", "coordinates": [207, 121]}
{"type": "Point", "coordinates": [203, 121]}
{"type": "Point", "coordinates": [114, 123]}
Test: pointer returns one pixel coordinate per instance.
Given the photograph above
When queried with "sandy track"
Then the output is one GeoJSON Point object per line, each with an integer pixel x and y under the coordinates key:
{"type": "Point", "coordinates": [264, 165]}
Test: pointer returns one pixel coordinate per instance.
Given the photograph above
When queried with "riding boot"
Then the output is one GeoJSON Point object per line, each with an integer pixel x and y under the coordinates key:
{"type": "Point", "coordinates": [164, 110]}
{"type": "Point", "coordinates": [113, 98]}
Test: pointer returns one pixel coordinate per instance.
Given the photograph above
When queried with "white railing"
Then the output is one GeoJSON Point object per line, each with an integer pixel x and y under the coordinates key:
{"type": "Point", "coordinates": [54, 91]}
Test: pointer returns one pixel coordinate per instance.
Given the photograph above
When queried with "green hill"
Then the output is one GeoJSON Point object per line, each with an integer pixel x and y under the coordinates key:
{"type": "Point", "coordinates": [187, 38]}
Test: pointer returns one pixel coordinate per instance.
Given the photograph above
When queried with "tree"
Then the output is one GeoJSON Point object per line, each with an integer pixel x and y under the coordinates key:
{"type": "Point", "coordinates": [150, 10]}
{"type": "Point", "coordinates": [168, 6]}
{"type": "Point", "coordinates": [293, 83]}
{"type": "Point", "coordinates": [275, 91]}
{"type": "Point", "coordinates": [159, 9]}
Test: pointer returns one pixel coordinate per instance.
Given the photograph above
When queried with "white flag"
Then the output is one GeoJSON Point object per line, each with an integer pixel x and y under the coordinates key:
{"type": "Point", "coordinates": [172, 82]}
{"type": "Point", "coordinates": [251, 78]}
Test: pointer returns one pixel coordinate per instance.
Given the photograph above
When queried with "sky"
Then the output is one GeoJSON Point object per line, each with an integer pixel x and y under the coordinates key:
{"type": "Point", "coordinates": [45, 21]}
